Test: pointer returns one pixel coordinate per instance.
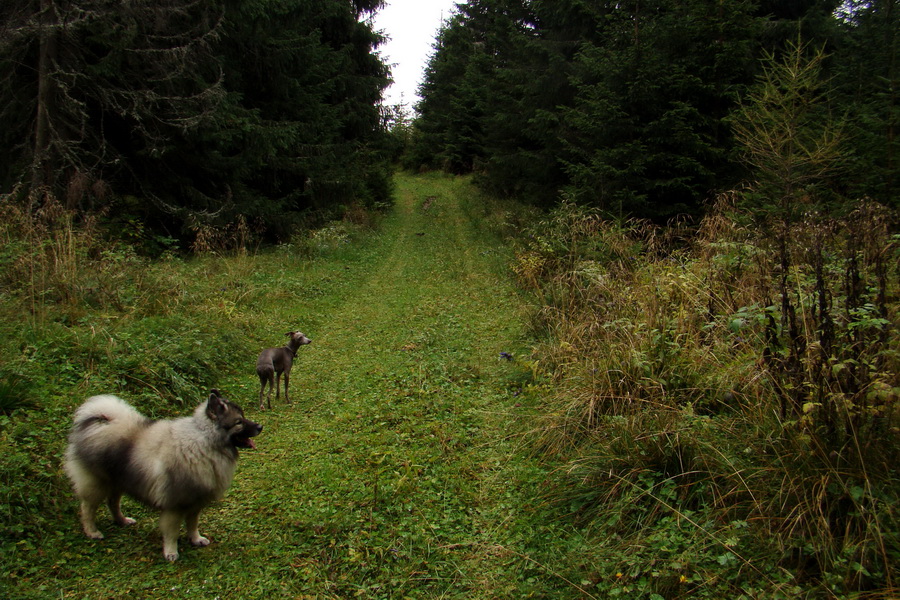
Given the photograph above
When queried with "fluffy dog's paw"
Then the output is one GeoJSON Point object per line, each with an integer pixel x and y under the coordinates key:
{"type": "Point", "coordinates": [200, 541]}
{"type": "Point", "coordinates": [90, 529]}
{"type": "Point", "coordinates": [170, 549]}
{"type": "Point", "coordinates": [124, 521]}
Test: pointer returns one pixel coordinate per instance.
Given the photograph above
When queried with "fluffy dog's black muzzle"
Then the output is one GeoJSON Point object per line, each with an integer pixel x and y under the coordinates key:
{"type": "Point", "coordinates": [244, 438]}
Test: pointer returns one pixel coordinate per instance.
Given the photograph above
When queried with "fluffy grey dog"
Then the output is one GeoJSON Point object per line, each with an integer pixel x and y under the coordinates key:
{"type": "Point", "coordinates": [177, 466]}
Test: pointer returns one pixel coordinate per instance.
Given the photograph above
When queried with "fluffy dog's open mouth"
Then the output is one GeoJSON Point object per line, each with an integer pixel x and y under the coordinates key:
{"type": "Point", "coordinates": [240, 441]}
{"type": "Point", "coordinates": [244, 439]}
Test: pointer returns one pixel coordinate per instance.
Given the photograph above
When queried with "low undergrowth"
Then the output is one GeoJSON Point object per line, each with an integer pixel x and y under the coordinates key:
{"type": "Point", "coordinates": [727, 402]}
{"type": "Point", "coordinates": [83, 312]}
{"type": "Point", "coordinates": [395, 473]}
{"type": "Point", "coordinates": [705, 413]}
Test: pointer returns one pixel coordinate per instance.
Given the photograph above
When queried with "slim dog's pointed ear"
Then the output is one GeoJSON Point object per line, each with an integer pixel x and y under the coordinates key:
{"type": "Point", "coordinates": [289, 333]}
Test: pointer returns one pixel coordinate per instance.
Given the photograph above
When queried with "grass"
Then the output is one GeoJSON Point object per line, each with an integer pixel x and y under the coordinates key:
{"type": "Point", "coordinates": [636, 415]}
{"type": "Point", "coordinates": [397, 471]}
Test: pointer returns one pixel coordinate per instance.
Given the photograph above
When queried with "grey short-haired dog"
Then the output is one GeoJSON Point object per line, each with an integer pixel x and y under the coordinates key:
{"type": "Point", "coordinates": [272, 362]}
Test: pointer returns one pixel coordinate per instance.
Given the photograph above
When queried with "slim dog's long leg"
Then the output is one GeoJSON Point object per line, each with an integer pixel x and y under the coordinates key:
{"type": "Point", "coordinates": [287, 378]}
{"type": "Point", "coordinates": [115, 507]}
{"type": "Point", "coordinates": [191, 522]}
{"type": "Point", "coordinates": [262, 388]}
{"type": "Point", "coordinates": [170, 525]}
{"type": "Point", "coordinates": [277, 385]}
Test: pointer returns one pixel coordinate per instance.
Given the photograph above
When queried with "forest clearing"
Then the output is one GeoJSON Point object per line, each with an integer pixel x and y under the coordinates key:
{"type": "Point", "coordinates": [444, 440]}
{"type": "Point", "coordinates": [610, 311]}
{"type": "Point", "coordinates": [396, 472]}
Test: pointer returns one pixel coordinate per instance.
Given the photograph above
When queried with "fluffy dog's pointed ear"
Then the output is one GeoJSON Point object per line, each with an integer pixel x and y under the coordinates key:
{"type": "Point", "coordinates": [216, 404]}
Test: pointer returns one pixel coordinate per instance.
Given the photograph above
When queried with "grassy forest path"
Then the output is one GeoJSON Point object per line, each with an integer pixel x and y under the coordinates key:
{"type": "Point", "coordinates": [394, 474]}
{"type": "Point", "coordinates": [399, 469]}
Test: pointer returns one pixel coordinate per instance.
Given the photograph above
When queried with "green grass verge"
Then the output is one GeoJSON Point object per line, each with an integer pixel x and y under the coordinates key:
{"type": "Point", "coordinates": [633, 448]}
{"type": "Point", "coordinates": [396, 473]}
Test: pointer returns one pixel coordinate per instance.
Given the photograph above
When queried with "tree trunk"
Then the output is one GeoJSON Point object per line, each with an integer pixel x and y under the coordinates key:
{"type": "Point", "coordinates": [42, 163]}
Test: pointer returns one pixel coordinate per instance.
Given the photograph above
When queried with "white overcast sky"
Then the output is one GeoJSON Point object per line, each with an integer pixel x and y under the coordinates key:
{"type": "Point", "coordinates": [411, 26]}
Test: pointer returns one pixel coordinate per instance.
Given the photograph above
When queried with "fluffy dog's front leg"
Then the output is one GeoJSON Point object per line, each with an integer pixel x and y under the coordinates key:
{"type": "Point", "coordinates": [170, 525]}
{"type": "Point", "coordinates": [192, 521]}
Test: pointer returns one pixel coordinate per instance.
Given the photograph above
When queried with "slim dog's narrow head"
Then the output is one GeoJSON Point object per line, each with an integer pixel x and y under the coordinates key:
{"type": "Point", "coordinates": [229, 417]}
{"type": "Point", "coordinates": [297, 339]}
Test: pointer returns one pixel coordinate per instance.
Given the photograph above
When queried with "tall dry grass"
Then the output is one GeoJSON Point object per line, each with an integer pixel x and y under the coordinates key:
{"type": "Point", "coordinates": [81, 305]}
{"type": "Point", "coordinates": [750, 369]}
{"type": "Point", "coordinates": [55, 257]}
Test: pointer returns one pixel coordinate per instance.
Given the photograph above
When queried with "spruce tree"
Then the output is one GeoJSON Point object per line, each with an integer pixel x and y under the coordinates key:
{"type": "Point", "coordinates": [645, 134]}
{"type": "Point", "coordinates": [194, 110]}
{"type": "Point", "coordinates": [89, 84]}
{"type": "Point", "coordinates": [446, 135]}
{"type": "Point", "coordinates": [788, 137]}
{"type": "Point", "coordinates": [303, 128]}
{"type": "Point", "coordinates": [867, 76]}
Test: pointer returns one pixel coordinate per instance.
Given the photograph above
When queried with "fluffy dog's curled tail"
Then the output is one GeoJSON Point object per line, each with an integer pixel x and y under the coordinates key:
{"type": "Point", "coordinates": [105, 417]}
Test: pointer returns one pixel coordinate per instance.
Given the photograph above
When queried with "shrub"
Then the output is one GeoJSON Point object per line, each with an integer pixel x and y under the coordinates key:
{"type": "Point", "coordinates": [750, 375]}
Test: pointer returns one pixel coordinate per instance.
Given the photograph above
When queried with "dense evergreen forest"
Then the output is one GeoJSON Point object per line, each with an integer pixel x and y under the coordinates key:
{"type": "Point", "coordinates": [193, 112]}
{"type": "Point", "coordinates": [188, 112]}
{"type": "Point", "coordinates": [641, 108]}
